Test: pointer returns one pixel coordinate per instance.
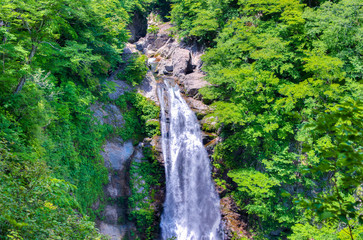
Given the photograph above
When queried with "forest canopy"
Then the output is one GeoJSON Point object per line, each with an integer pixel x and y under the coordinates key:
{"type": "Point", "coordinates": [286, 88]}
{"type": "Point", "coordinates": [285, 85]}
{"type": "Point", "coordinates": [55, 57]}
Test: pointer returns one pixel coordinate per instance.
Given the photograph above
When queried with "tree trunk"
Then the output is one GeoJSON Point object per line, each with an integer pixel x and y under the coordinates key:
{"type": "Point", "coordinates": [3, 24]}
{"type": "Point", "coordinates": [23, 79]}
{"type": "Point", "coordinates": [20, 85]}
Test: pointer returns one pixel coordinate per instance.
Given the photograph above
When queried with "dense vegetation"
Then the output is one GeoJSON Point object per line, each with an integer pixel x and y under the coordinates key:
{"type": "Point", "coordinates": [286, 88]}
{"type": "Point", "coordinates": [55, 57]}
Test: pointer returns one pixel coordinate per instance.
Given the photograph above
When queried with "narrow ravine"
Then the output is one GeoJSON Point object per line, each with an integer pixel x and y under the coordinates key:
{"type": "Point", "coordinates": [192, 206]}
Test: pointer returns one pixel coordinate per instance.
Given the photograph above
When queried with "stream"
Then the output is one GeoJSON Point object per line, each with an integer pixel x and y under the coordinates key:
{"type": "Point", "coordinates": [191, 208]}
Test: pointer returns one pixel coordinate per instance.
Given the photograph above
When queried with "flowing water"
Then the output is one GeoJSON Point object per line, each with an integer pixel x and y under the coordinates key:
{"type": "Point", "coordinates": [191, 208]}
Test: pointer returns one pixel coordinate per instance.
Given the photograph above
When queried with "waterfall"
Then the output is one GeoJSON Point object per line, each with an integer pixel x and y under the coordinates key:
{"type": "Point", "coordinates": [191, 208]}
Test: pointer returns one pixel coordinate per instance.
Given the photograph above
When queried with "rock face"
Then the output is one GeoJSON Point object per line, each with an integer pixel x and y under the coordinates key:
{"type": "Point", "coordinates": [119, 156]}
{"type": "Point", "coordinates": [193, 82]}
{"type": "Point", "coordinates": [233, 222]}
{"type": "Point", "coordinates": [176, 60]}
{"type": "Point", "coordinates": [137, 27]}
{"type": "Point", "coordinates": [117, 153]}
{"type": "Point", "coordinates": [108, 114]}
{"type": "Point", "coordinates": [148, 87]}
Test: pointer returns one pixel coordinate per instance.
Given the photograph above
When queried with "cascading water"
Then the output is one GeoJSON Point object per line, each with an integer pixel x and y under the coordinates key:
{"type": "Point", "coordinates": [191, 208]}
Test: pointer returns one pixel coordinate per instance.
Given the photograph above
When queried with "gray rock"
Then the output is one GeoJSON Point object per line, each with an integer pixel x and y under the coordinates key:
{"type": "Point", "coordinates": [181, 62]}
{"type": "Point", "coordinates": [161, 40]}
{"type": "Point", "coordinates": [112, 191]}
{"type": "Point", "coordinates": [165, 67]}
{"type": "Point", "coordinates": [168, 49]}
{"type": "Point", "coordinates": [110, 214]}
{"type": "Point", "coordinates": [197, 106]}
{"type": "Point", "coordinates": [113, 231]}
{"type": "Point", "coordinates": [150, 53]}
{"type": "Point", "coordinates": [148, 87]}
{"type": "Point", "coordinates": [121, 88]}
{"type": "Point", "coordinates": [169, 67]}
{"type": "Point", "coordinates": [115, 117]}
{"type": "Point", "coordinates": [108, 114]}
{"type": "Point", "coordinates": [138, 156]}
{"type": "Point", "coordinates": [117, 153]}
{"type": "Point", "coordinates": [141, 44]}
{"type": "Point", "coordinates": [197, 61]}
{"type": "Point", "coordinates": [193, 82]}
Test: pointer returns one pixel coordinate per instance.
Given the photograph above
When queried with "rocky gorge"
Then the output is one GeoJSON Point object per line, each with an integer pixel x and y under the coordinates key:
{"type": "Point", "coordinates": [167, 57]}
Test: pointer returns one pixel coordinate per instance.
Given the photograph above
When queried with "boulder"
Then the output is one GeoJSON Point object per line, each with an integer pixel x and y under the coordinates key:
{"type": "Point", "coordinates": [182, 64]}
{"type": "Point", "coordinates": [141, 44]}
{"type": "Point", "coordinates": [193, 82]}
{"type": "Point", "coordinates": [165, 67]}
{"type": "Point", "coordinates": [168, 49]}
{"type": "Point", "coordinates": [161, 40]}
{"type": "Point", "coordinates": [169, 67]}
{"type": "Point", "coordinates": [130, 49]}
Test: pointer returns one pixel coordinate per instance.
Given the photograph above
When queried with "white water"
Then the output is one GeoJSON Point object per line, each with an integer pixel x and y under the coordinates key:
{"type": "Point", "coordinates": [191, 208]}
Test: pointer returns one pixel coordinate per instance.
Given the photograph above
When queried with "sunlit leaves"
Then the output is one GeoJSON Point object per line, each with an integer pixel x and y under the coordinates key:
{"type": "Point", "coordinates": [275, 69]}
{"type": "Point", "coordinates": [36, 206]}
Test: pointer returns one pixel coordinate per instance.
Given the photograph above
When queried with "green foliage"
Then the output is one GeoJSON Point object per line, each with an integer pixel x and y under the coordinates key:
{"type": "Point", "coordinates": [336, 139]}
{"type": "Point", "coordinates": [202, 19]}
{"type": "Point", "coordinates": [145, 176]}
{"type": "Point", "coordinates": [35, 205]}
{"type": "Point", "coordinates": [54, 55]}
{"type": "Point", "coordinates": [153, 29]}
{"type": "Point", "coordinates": [135, 70]}
{"type": "Point", "coordinates": [71, 42]}
{"type": "Point", "coordinates": [306, 231]}
{"type": "Point", "coordinates": [257, 186]}
{"type": "Point", "coordinates": [285, 77]}
{"type": "Point", "coordinates": [139, 114]}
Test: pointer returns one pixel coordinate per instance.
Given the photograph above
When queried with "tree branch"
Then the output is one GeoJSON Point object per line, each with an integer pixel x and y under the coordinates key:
{"type": "Point", "coordinates": [51, 45]}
